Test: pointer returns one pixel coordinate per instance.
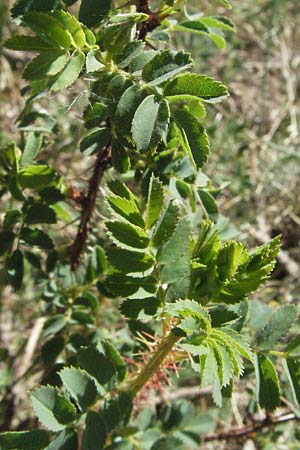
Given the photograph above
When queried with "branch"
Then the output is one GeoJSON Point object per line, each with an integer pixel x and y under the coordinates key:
{"type": "Point", "coordinates": [103, 161]}
{"type": "Point", "coordinates": [235, 433]}
{"type": "Point", "coordinates": [136, 384]}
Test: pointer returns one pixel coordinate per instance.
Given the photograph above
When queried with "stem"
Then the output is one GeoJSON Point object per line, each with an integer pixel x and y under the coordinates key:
{"type": "Point", "coordinates": [162, 351]}
{"type": "Point", "coordinates": [236, 433]}
{"type": "Point", "coordinates": [88, 205]}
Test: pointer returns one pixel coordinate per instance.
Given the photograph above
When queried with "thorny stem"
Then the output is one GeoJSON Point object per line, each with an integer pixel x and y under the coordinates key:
{"type": "Point", "coordinates": [162, 351]}
{"type": "Point", "coordinates": [103, 161]}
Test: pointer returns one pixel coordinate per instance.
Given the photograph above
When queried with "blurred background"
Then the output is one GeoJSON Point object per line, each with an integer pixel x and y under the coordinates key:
{"type": "Point", "coordinates": [255, 137]}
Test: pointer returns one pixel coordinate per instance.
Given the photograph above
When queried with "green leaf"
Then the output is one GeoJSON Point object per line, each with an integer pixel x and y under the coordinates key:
{"type": "Point", "coordinates": [40, 213]}
{"type": "Point", "coordinates": [164, 65]}
{"type": "Point", "coordinates": [23, 6]}
{"type": "Point", "coordinates": [219, 22]}
{"type": "Point", "coordinates": [191, 86]}
{"type": "Point", "coordinates": [175, 257]}
{"type": "Point", "coordinates": [95, 141]}
{"type": "Point", "coordinates": [132, 307]}
{"type": "Point", "coordinates": [37, 176]}
{"type": "Point", "coordinates": [48, 29]}
{"type": "Point", "coordinates": [292, 368]}
{"type": "Point", "coordinates": [92, 12]}
{"type": "Point", "coordinates": [120, 159]}
{"type": "Point", "coordinates": [126, 209]}
{"type": "Point", "coordinates": [150, 123]}
{"type": "Point", "coordinates": [117, 32]}
{"type": "Point", "coordinates": [97, 264]}
{"type": "Point", "coordinates": [230, 256]}
{"type": "Point", "coordinates": [209, 204]}
{"type": "Point", "coordinates": [92, 63]}
{"type": "Point", "coordinates": [193, 136]}
{"type": "Point", "coordinates": [70, 23]}
{"type": "Point", "coordinates": [6, 241]}
{"type": "Point", "coordinates": [197, 27]}
{"type": "Point", "coordinates": [32, 148]}
{"type": "Point", "coordinates": [14, 269]}
{"type": "Point", "coordinates": [226, 3]}
{"type": "Point", "coordinates": [54, 324]}
{"type": "Point", "coordinates": [115, 89]}
{"type": "Point", "coordinates": [53, 410]}
{"type": "Point", "coordinates": [127, 234]}
{"type": "Point", "coordinates": [70, 72]}
{"type": "Point", "coordinates": [155, 201]}
{"type": "Point", "coordinates": [66, 440]}
{"type": "Point", "coordinates": [189, 308]}
{"type": "Point", "coordinates": [168, 443]}
{"type": "Point", "coordinates": [210, 375]}
{"type": "Point", "coordinates": [94, 434]}
{"type": "Point", "coordinates": [36, 237]}
{"type": "Point", "coordinates": [130, 51]}
{"type": "Point", "coordinates": [250, 275]}
{"type": "Point", "coordinates": [24, 440]}
{"type": "Point", "coordinates": [116, 358]}
{"type": "Point", "coordinates": [166, 225]}
{"type": "Point", "coordinates": [28, 43]}
{"type": "Point", "coordinates": [79, 385]}
{"type": "Point", "coordinates": [141, 60]}
{"type": "Point", "coordinates": [94, 115]}
{"type": "Point", "coordinates": [117, 412]}
{"type": "Point", "coordinates": [268, 390]}
{"type": "Point", "coordinates": [125, 286]}
{"type": "Point", "coordinates": [96, 364]}
{"type": "Point", "coordinates": [127, 261]}
{"type": "Point", "coordinates": [126, 108]}
{"type": "Point", "coordinates": [51, 349]}
{"type": "Point", "coordinates": [278, 325]}
{"type": "Point", "coordinates": [45, 65]}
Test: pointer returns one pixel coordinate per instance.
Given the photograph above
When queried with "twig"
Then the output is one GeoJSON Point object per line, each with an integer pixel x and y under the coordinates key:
{"type": "Point", "coordinates": [103, 161]}
{"type": "Point", "coordinates": [235, 433]}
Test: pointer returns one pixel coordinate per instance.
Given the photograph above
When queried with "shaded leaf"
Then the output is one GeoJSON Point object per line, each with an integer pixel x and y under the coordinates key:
{"type": "Point", "coordinates": [14, 269]}
{"type": "Point", "coordinates": [164, 65]}
{"type": "Point", "coordinates": [154, 202]}
{"type": "Point", "coordinates": [24, 440]}
{"type": "Point", "coordinates": [268, 390]}
{"type": "Point", "coordinates": [94, 434]}
{"type": "Point", "coordinates": [66, 440]}
{"type": "Point", "coordinates": [194, 137]}
{"type": "Point", "coordinates": [92, 12]}
{"type": "Point", "coordinates": [45, 65]}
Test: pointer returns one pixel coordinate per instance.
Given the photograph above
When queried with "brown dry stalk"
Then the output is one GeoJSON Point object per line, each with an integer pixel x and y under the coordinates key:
{"type": "Point", "coordinates": [103, 161]}
{"type": "Point", "coordinates": [236, 433]}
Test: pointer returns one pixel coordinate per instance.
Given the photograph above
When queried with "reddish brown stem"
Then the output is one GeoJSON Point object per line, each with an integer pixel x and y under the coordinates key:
{"type": "Point", "coordinates": [103, 161]}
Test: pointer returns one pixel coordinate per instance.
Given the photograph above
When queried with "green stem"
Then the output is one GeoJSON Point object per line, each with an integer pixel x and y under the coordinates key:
{"type": "Point", "coordinates": [162, 351]}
